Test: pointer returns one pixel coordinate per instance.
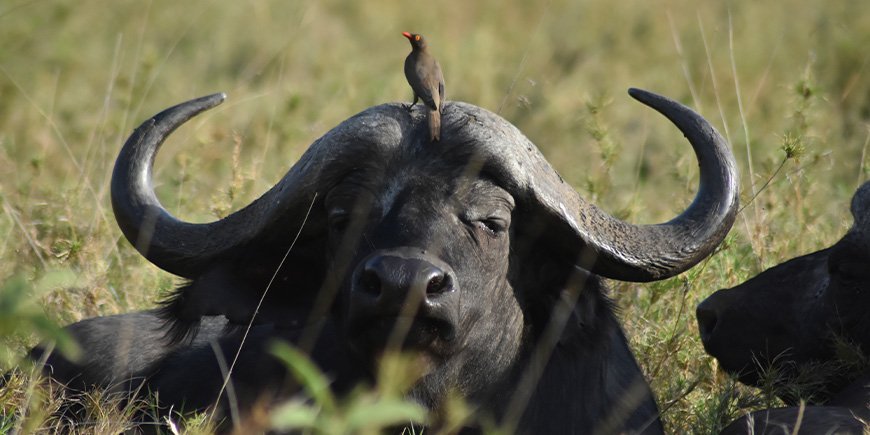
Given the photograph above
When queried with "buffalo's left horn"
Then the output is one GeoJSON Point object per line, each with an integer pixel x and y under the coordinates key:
{"type": "Point", "coordinates": [272, 220]}
{"type": "Point", "coordinates": [631, 252]}
{"type": "Point", "coordinates": [179, 247]}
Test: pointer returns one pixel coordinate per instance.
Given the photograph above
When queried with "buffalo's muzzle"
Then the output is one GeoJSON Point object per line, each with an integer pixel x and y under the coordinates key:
{"type": "Point", "coordinates": [404, 293]}
{"type": "Point", "coordinates": [708, 317]}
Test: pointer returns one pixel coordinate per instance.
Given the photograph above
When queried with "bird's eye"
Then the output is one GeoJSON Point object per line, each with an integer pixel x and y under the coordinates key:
{"type": "Point", "coordinates": [417, 37]}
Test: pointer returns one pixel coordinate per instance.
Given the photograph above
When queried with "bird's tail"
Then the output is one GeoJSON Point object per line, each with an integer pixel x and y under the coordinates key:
{"type": "Point", "coordinates": [435, 125]}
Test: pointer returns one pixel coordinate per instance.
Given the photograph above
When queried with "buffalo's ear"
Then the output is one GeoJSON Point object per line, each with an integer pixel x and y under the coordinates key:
{"type": "Point", "coordinates": [551, 282]}
{"type": "Point", "coordinates": [547, 246]}
{"type": "Point", "coordinates": [185, 307]}
{"type": "Point", "coordinates": [569, 297]}
{"type": "Point", "coordinates": [262, 287]}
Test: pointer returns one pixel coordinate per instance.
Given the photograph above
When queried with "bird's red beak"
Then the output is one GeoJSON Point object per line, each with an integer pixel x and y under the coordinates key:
{"type": "Point", "coordinates": [406, 34]}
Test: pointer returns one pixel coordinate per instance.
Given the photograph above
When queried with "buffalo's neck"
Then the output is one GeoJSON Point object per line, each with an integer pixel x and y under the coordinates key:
{"type": "Point", "coordinates": [606, 391]}
{"type": "Point", "coordinates": [591, 379]}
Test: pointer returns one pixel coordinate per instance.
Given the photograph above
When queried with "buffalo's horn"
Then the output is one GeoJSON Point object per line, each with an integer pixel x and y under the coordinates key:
{"type": "Point", "coordinates": [651, 252]}
{"type": "Point", "coordinates": [618, 249]}
{"type": "Point", "coordinates": [179, 247]}
{"type": "Point", "coordinates": [188, 249]}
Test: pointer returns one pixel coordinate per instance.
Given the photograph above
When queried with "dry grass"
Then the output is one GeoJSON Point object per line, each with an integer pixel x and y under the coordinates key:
{"type": "Point", "coordinates": [786, 82]}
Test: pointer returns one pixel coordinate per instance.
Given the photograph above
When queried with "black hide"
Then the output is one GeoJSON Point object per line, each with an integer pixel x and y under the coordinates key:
{"type": "Point", "coordinates": [792, 316]}
{"type": "Point", "coordinates": [472, 254]}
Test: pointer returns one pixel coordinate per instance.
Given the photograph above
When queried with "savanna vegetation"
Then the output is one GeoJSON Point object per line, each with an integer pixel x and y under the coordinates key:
{"type": "Point", "coordinates": [788, 84]}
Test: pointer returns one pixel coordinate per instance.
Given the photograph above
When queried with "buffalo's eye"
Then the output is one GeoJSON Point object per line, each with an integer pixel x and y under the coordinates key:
{"type": "Point", "coordinates": [493, 226]}
{"type": "Point", "coordinates": [338, 219]}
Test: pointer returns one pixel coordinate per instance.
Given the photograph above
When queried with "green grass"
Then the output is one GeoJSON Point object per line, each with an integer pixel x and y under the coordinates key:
{"type": "Point", "coordinates": [788, 83]}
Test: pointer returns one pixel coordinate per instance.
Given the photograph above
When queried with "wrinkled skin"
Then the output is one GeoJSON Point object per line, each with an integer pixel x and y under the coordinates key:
{"type": "Point", "coordinates": [483, 327]}
{"type": "Point", "coordinates": [473, 324]}
{"type": "Point", "coordinates": [791, 315]}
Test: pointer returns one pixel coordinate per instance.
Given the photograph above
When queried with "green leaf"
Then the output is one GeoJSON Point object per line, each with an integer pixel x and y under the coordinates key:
{"type": "Point", "coordinates": [384, 412]}
{"type": "Point", "coordinates": [294, 415]}
{"type": "Point", "coordinates": [47, 329]}
{"type": "Point", "coordinates": [12, 295]}
{"type": "Point", "coordinates": [311, 378]}
{"type": "Point", "coordinates": [22, 315]}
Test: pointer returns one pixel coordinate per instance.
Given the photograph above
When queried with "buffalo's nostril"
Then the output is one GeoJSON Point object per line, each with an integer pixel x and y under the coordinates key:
{"type": "Point", "coordinates": [439, 283]}
{"type": "Point", "coordinates": [370, 282]}
{"type": "Point", "coordinates": [707, 320]}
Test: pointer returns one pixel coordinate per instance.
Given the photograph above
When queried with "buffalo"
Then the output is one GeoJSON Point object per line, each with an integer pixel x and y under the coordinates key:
{"type": "Point", "coordinates": [846, 413]}
{"type": "Point", "coordinates": [472, 254]}
{"type": "Point", "coordinates": [803, 326]}
{"type": "Point", "coordinates": [808, 420]}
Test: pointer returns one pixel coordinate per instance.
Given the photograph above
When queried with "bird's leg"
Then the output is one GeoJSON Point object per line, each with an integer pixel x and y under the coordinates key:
{"type": "Point", "coordinates": [407, 107]}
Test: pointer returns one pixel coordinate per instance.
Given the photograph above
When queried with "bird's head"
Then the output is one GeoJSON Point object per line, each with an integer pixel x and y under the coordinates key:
{"type": "Point", "coordinates": [417, 41]}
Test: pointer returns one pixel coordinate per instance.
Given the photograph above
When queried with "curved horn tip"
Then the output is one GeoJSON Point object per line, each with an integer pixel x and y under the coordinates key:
{"type": "Point", "coordinates": [646, 97]}
{"type": "Point", "coordinates": [212, 100]}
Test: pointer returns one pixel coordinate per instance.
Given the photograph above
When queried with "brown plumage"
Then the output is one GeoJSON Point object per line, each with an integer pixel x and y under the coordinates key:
{"type": "Point", "coordinates": [427, 82]}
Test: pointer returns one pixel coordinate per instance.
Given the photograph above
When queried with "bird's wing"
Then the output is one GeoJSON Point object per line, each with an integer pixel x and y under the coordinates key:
{"type": "Point", "coordinates": [431, 82]}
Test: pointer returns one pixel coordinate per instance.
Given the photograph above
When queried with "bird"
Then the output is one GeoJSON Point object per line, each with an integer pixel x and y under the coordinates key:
{"type": "Point", "coordinates": [424, 75]}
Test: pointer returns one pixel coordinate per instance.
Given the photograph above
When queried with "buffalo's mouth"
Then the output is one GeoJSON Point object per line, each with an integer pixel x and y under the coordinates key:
{"type": "Point", "coordinates": [374, 335]}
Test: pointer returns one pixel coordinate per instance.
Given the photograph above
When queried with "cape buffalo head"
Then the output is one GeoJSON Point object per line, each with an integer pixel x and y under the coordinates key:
{"type": "Point", "coordinates": [457, 250]}
{"type": "Point", "coordinates": [793, 314]}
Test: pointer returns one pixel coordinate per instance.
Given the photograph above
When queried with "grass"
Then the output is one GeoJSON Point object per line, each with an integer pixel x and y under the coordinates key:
{"type": "Point", "coordinates": [787, 83]}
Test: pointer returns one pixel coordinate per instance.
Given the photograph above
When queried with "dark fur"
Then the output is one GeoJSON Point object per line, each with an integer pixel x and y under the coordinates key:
{"type": "Point", "coordinates": [590, 379]}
